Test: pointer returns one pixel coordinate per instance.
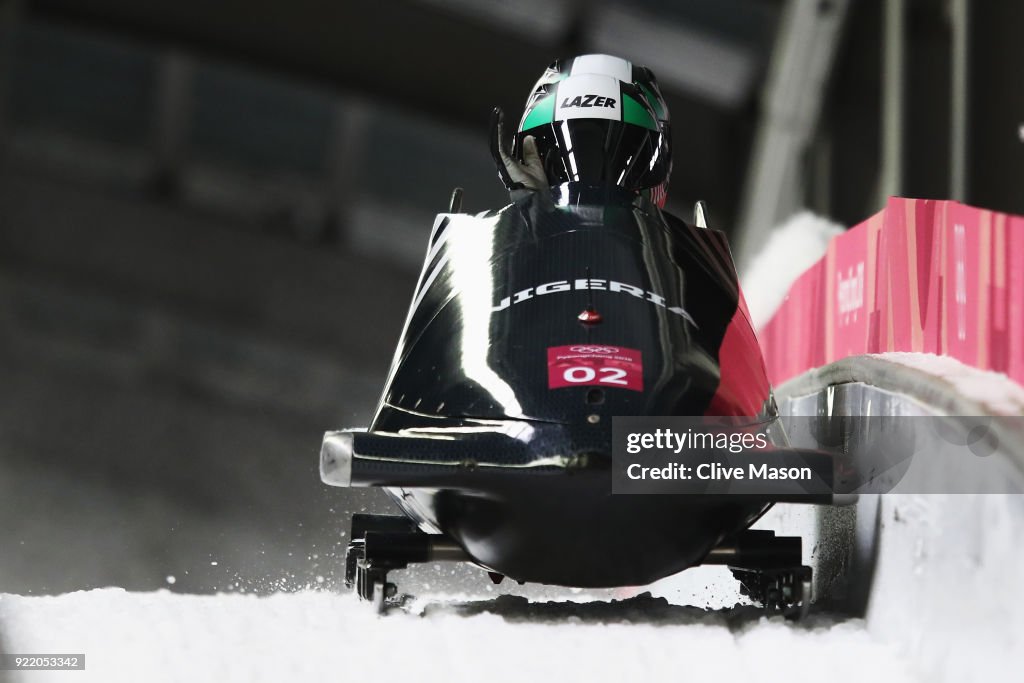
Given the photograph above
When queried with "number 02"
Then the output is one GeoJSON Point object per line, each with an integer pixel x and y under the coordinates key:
{"type": "Point", "coordinates": [583, 373]}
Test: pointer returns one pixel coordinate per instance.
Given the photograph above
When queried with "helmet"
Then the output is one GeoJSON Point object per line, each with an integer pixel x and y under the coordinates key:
{"type": "Point", "coordinates": [599, 120]}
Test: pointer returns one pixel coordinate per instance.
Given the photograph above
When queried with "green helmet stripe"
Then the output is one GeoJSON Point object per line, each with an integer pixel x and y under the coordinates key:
{"type": "Point", "coordinates": [636, 113]}
{"type": "Point", "coordinates": [654, 101]}
{"type": "Point", "coordinates": [542, 112]}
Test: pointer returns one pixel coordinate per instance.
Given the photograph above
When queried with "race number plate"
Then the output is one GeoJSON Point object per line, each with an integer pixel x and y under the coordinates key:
{"type": "Point", "coordinates": [595, 365]}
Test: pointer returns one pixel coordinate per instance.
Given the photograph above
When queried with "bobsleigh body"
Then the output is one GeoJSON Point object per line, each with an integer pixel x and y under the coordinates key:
{"type": "Point", "coordinates": [530, 328]}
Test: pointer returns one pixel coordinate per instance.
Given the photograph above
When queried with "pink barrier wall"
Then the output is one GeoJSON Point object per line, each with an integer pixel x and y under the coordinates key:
{"type": "Point", "coordinates": [921, 275]}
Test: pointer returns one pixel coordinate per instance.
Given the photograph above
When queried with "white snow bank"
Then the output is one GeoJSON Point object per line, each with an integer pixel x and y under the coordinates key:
{"type": "Point", "coordinates": [320, 636]}
{"type": "Point", "coordinates": [994, 390]}
{"type": "Point", "coordinates": [947, 584]}
{"type": "Point", "coordinates": [792, 248]}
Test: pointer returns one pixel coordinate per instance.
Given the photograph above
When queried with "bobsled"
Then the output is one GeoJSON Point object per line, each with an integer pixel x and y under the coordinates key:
{"type": "Point", "coordinates": [530, 328]}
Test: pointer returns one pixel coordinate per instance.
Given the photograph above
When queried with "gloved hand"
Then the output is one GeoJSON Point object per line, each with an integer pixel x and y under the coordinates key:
{"type": "Point", "coordinates": [515, 174]}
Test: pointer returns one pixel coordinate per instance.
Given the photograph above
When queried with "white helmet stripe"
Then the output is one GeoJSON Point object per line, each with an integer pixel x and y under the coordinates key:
{"type": "Point", "coordinates": [604, 65]}
{"type": "Point", "coordinates": [588, 97]}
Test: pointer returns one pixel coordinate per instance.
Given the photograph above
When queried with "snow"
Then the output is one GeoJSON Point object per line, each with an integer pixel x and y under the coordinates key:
{"type": "Point", "coordinates": [998, 393]}
{"type": "Point", "coordinates": [314, 636]}
{"type": "Point", "coordinates": [792, 248]}
{"type": "Point", "coordinates": [947, 584]}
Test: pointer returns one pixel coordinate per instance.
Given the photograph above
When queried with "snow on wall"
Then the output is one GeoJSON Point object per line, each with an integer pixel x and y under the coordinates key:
{"type": "Point", "coordinates": [996, 392]}
{"type": "Point", "coordinates": [792, 248]}
{"type": "Point", "coordinates": [947, 584]}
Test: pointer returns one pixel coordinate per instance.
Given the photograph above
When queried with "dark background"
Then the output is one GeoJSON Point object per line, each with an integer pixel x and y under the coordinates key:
{"type": "Point", "coordinates": [212, 215]}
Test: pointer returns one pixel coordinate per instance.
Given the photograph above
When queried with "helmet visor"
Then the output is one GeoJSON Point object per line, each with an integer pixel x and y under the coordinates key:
{"type": "Point", "coordinates": [600, 152]}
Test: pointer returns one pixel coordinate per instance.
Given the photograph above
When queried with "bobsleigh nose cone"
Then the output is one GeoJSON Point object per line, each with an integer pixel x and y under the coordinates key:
{"type": "Point", "coordinates": [336, 459]}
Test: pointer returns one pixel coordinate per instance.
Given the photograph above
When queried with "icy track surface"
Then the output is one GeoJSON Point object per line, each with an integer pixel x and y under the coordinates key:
{"type": "Point", "coordinates": [317, 636]}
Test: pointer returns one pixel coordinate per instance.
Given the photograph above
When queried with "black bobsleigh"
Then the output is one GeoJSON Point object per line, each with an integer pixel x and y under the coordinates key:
{"type": "Point", "coordinates": [493, 433]}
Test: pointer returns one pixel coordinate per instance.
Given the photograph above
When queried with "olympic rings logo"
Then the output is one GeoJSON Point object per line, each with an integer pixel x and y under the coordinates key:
{"type": "Point", "coordinates": [593, 349]}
